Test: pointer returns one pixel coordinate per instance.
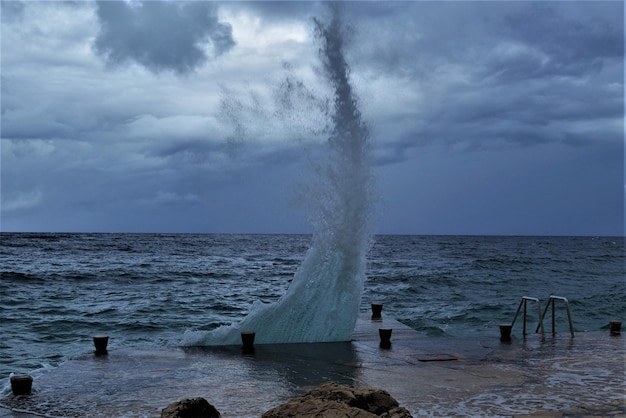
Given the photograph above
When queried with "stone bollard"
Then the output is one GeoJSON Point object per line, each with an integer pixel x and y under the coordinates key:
{"type": "Point", "coordinates": [21, 385]}
{"type": "Point", "coordinates": [247, 339]}
{"type": "Point", "coordinates": [615, 327]}
{"type": "Point", "coordinates": [101, 342]}
{"type": "Point", "coordinates": [385, 337]}
{"type": "Point", "coordinates": [376, 310]}
{"type": "Point", "coordinates": [505, 332]}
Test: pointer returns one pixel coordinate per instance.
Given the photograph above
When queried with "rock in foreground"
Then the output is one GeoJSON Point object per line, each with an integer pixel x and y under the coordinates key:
{"type": "Point", "coordinates": [333, 400]}
{"type": "Point", "coordinates": [190, 408]}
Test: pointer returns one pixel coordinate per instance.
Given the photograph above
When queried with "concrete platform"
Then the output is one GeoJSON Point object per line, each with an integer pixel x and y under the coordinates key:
{"type": "Point", "coordinates": [428, 376]}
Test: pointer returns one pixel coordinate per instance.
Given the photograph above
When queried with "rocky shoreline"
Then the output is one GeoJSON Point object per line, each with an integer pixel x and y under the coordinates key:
{"type": "Point", "coordinates": [332, 400]}
{"type": "Point", "coordinates": [327, 400]}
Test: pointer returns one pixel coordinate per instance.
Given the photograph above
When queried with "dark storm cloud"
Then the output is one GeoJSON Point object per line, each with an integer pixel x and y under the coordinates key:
{"type": "Point", "coordinates": [499, 75]}
{"type": "Point", "coordinates": [161, 35]}
{"type": "Point", "coordinates": [572, 48]}
{"type": "Point", "coordinates": [485, 117]}
{"type": "Point", "coordinates": [11, 10]}
{"type": "Point", "coordinates": [571, 57]}
{"type": "Point", "coordinates": [190, 151]}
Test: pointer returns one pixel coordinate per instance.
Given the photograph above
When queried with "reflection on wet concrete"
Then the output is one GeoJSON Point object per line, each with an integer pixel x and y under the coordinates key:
{"type": "Point", "coordinates": [428, 376]}
{"type": "Point", "coordinates": [296, 365]}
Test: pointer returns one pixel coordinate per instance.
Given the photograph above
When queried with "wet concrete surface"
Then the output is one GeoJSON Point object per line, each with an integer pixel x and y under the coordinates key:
{"type": "Point", "coordinates": [554, 376]}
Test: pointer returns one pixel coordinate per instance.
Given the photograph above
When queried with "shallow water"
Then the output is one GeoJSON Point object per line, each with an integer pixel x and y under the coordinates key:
{"type": "Point", "coordinates": [446, 376]}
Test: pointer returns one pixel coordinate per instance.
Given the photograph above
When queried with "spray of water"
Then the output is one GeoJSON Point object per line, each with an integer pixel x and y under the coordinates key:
{"type": "Point", "coordinates": [322, 302]}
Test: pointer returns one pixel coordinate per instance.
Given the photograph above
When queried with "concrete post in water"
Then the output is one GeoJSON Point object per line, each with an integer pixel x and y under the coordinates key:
{"type": "Point", "coordinates": [101, 342]}
{"type": "Point", "coordinates": [21, 385]}
{"type": "Point", "coordinates": [505, 332]}
{"type": "Point", "coordinates": [615, 327]}
{"type": "Point", "coordinates": [385, 337]}
{"type": "Point", "coordinates": [247, 339]}
{"type": "Point", "coordinates": [376, 310]}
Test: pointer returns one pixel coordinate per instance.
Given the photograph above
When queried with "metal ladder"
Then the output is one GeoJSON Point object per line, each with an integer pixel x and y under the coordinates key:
{"type": "Point", "coordinates": [552, 302]}
{"type": "Point", "coordinates": [541, 316]}
{"type": "Point", "coordinates": [523, 303]}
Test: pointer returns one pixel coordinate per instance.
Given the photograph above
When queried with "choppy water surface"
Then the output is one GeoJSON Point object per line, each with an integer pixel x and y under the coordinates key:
{"type": "Point", "coordinates": [146, 290]}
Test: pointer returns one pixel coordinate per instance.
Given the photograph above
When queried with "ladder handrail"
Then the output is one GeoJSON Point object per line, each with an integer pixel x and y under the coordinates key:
{"type": "Point", "coordinates": [523, 302]}
{"type": "Point", "coordinates": [569, 314]}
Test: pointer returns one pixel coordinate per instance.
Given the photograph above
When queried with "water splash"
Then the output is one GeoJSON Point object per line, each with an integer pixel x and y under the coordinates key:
{"type": "Point", "coordinates": [323, 299]}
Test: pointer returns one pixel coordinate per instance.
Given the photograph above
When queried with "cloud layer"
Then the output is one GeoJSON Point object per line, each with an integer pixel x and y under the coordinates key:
{"type": "Point", "coordinates": [177, 36]}
{"type": "Point", "coordinates": [485, 117]}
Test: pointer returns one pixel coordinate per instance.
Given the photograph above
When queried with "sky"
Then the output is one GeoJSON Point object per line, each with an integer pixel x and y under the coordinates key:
{"type": "Point", "coordinates": [485, 118]}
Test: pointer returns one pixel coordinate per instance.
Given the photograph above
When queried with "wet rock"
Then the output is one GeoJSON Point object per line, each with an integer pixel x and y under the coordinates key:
{"type": "Point", "coordinates": [190, 408]}
{"type": "Point", "coordinates": [333, 400]}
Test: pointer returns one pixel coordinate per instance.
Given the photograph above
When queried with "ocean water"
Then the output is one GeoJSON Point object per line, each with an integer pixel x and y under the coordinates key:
{"type": "Point", "coordinates": [147, 290]}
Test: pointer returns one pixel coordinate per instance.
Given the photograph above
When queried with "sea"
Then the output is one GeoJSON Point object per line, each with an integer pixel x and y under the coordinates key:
{"type": "Point", "coordinates": [58, 290]}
